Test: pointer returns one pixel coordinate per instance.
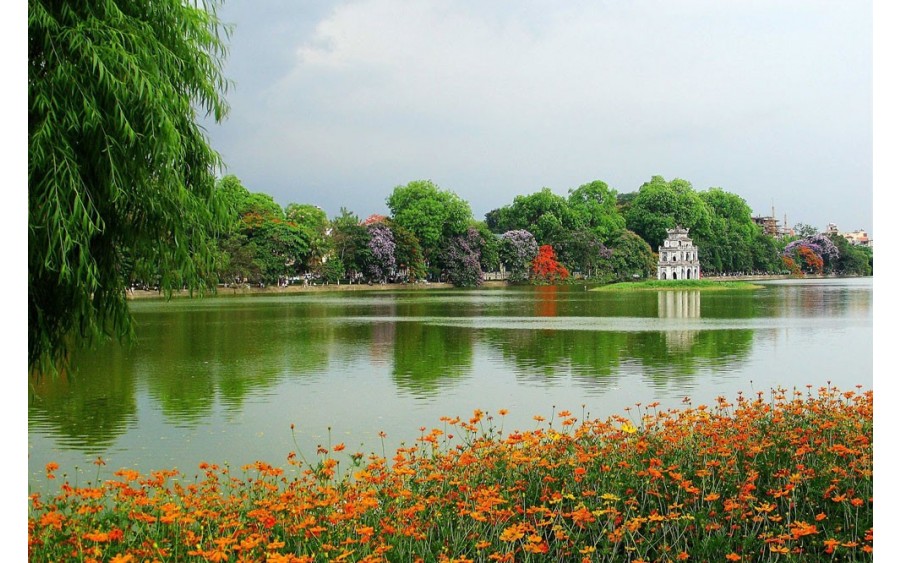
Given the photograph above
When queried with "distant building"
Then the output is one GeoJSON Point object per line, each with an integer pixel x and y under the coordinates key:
{"type": "Point", "coordinates": [770, 226]}
{"type": "Point", "coordinates": [678, 258]}
{"type": "Point", "coordinates": [858, 238]}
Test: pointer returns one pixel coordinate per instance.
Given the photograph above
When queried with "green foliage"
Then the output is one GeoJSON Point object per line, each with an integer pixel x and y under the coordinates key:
{"type": "Point", "coordinates": [720, 224]}
{"type": "Point", "coordinates": [661, 205]}
{"type": "Point", "coordinates": [334, 269]}
{"type": "Point", "coordinates": [277, 247]}
{"type": "Point", "coordinates": [408, 253]}
{"type": "Point", "coordinates": [238, 263]}
{"type": "Point", "coordinates": [631, 257]}
{"type": "Point", "coordinates": [545, 214]}
{"type": "Point", "coordinates": [731, 246]}
{"type": "Point", "coordinates": [804, 230]}
{"type": "Point", "coordinates": [431, 213]}
{"type": "Point", "coordinates": [282, 249]}
{"type": "Point", "coordinates": [349, 242]}
{"type": "Point", "coordinates": [583, 251]}
{"type": "Point", "coordinates": [120, 175]}
{"type": "Point", "coordinates": [314, 223]}
{"type": "Point", "coordinates": [594, 207]}
{"type": "Point", "coordinates": [489, 247]}
{"type": "Point", "coordinates": [853, 260]}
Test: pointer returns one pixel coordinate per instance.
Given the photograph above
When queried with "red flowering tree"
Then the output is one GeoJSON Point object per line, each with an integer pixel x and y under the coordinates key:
{"type": "Point", "coordinates": [814, 262]}
{"type": "Point", "coordinates": [791, 265]}
{"type": "Point", "coordinates": [546, 267]}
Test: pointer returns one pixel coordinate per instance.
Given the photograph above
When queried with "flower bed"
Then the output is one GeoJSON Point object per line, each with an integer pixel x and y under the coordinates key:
{"type": "Point", "coordinates": [784, 473]}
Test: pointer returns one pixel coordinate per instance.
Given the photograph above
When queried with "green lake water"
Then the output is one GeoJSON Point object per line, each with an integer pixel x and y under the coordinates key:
{"type": "Point", "coordinates": [221, 380]}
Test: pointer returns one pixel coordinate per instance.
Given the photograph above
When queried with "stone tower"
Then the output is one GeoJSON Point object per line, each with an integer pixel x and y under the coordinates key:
{"type": "Point", "coordinates": [678, 259]}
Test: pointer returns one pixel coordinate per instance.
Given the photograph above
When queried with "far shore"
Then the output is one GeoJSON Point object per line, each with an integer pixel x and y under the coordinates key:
{"type": "Point", "coordinates": [244, 289]}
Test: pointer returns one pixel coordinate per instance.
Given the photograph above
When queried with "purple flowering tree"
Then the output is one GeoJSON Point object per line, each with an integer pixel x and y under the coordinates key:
{"type": "Point", "coordinates": [819, 244]}
{"type": "Point", "coordinates": [517, 252]}
{"type": "Point", "coordinates": [461, 259]}
{"type": "Point", "coordinates": [381, 264]}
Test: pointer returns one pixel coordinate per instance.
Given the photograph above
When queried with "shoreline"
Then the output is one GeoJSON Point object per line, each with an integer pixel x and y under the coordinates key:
{"type": "Point", "coordinates": [139, 294]}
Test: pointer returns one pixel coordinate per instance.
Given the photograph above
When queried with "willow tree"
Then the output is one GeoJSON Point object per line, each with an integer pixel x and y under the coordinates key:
{"type": "Point", "coordinates": [120, 173]}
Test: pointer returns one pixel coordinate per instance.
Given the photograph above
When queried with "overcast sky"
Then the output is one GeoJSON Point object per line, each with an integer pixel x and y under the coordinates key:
{"type": "Point", "coordinates": [336, 103]}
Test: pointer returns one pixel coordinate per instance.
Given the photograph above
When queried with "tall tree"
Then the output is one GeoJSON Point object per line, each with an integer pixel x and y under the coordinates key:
{"type": "Point", "coordinates": [517, 251]}
{"type": "Point", "coordinates": [408, 253]}
{"type": "Point", "coordinates": [733, 237]}
{"type": "Point", "coordinates": [119, 171]}
{"type": "Point", "coordinates": [544, 213]}
{"type": "Point", "coordinates": [660, 205]}
{"type": "Point", "coordinates": [279, 247]}
{"type": "Point", "coordinates": [546, 268]}
{"type": "Point", "coordinates": [631, 257]}
{"type": "Point", "coordinates": [381, 244]}
{"type": "Point", "coordinates": [431, 213]}
{"type": "Point", "coordinates": [460, 259]}
{"type": "Point", "coordinates": [350, 243]}
{"type": "Point", "coordinates": [583, 251]}
{"type": "Point", "coordinates": [312, 220]}
{"type": "Point", "coordinates": [595, 208]}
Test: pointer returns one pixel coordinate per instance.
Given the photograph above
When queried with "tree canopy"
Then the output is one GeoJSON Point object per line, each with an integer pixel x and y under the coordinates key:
{"type": "Point", "coordinates": [660, 205]}
{"type": "Point", "coordinates": [544, 213]}
{"type": "Point", "coordinates": [595, 207]}
{"type": "Point", "coordinates": [429, 212]}
{"type": "Point", "coordinates": [120, 174]}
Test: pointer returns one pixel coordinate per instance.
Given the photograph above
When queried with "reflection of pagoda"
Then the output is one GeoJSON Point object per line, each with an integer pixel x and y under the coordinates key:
{"type": "Point", "coordinates": [679, 305]}
{"type": "Point", "coordinates": [678, 259]}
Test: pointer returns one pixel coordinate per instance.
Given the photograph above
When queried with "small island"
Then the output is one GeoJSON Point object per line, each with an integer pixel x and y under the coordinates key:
{"type": "Point", "coordinates": [659, 285]}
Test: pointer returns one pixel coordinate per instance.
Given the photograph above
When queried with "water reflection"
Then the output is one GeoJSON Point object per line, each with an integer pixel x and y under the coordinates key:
{"type": "Point", "coordinates": [428, 358]}
{"type": "Point", "coordinates": [85, 410]}
{"type": "Point", "coordinates": [679, 305]}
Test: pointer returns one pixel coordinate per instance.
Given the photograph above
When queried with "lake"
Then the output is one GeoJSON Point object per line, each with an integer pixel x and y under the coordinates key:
{"type": "Point", "coordinates": [222, 380]}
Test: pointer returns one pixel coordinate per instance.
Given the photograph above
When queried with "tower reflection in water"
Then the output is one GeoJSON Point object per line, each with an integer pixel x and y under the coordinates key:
{"type": "Point", "coordinates": [679, 305]}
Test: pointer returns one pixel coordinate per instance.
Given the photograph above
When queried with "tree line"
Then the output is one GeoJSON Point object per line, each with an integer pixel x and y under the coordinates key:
{"type": "Point", "coordinates": [593, 233]}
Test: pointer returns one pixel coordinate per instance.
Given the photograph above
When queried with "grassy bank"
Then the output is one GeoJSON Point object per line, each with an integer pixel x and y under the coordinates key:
{"type": "Point", "coordinates": [659, 285]}
{"type": "Point", "coordinates": [754, 479]}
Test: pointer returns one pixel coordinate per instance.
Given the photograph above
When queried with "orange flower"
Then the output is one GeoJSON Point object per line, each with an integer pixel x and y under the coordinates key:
{"type": "Point", "coordinates": [732, 557]}
{"type": "Point", "coordinates": [512, 533]}
{"type": "Point", "coordinates": [800, 529]}
{"type": "Point", "coordinates": [830, 545]}
{"type": "Point", "coordinates": [99, 537]}
{"type": "Point", "coordinates": [54, 519]}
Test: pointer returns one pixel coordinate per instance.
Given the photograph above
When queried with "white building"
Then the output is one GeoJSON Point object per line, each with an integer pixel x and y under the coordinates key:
{"type": "Point", "coordinates": [678, 259]}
